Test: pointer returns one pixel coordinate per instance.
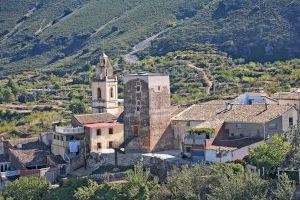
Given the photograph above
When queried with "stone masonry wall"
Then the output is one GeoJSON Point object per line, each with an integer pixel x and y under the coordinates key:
{"type": "Point", "coordinates": [133, 117]}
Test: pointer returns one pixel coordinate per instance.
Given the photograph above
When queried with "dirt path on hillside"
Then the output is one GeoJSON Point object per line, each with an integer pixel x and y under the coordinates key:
{"type": "Point", "coordinates": [131, 58]}
{"type": "Point", "coordinates": [59, 19]}
{"type": "Point", "coordinates": [21, 22]}
{"type": "Point", "coordinates": [104, 25]}
{"type": "Point", "coordinates": [203, 74]}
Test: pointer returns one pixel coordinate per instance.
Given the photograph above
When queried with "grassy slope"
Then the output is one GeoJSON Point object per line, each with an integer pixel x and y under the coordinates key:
{"type": "Point", "coordinates": [256, 30]}
{"type": "Point", "coordinates": [264, 30]}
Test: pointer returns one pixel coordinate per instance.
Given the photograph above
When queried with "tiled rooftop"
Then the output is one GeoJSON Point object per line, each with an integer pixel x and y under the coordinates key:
{"type": "Point", "coordinates": [232, 113]}
{"type": "Point", "coordinates": [236, 143]}
{"type": "Point", "coordinates": [95, 118]}
{"type": "Point", "coordinates": [31, 156]}
{"type": "Point", "coordinates": [287, 96]}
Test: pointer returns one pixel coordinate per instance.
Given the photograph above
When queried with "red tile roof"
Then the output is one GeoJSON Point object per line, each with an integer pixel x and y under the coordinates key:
{"type": "Point", "coordinates": [100, 125]}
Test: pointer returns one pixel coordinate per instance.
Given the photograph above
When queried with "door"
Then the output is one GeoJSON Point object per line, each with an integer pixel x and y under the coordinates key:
{"type": "Point", "coordinates": [136, 131]}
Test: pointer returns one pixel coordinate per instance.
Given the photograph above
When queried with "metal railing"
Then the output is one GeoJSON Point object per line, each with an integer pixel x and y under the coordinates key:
{"type": "Point", "coordinates": [69, 130]}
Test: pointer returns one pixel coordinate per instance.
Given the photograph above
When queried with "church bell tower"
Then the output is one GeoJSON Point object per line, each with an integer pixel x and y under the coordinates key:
{"type": "Point", "coordinates": [105, 88]}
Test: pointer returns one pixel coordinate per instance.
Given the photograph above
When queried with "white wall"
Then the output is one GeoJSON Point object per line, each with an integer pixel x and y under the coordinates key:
{"type": "Point", "coordinates": [211, 156]}
{"type": "Point", "coordinates": [238, 154]}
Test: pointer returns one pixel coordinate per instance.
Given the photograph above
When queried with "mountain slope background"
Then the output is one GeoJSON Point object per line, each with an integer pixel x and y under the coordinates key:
{"type": "Point", "coordinates": [71, 33]}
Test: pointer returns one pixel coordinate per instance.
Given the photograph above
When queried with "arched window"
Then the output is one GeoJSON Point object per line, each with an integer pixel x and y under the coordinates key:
{"type": "Point", "coordinates": [99, 93]}
{"type": "Point", "coordinates": [112, 92]}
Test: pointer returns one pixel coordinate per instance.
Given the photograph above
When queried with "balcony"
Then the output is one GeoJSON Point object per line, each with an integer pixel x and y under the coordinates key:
{"type": "Point", "coordinates": [194, 139]}
{"type": "Point", "coordinates": [69, 130]}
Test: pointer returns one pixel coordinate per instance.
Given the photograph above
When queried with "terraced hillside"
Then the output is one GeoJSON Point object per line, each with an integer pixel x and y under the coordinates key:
{"type": "Point", "coordinates": [70, 33]}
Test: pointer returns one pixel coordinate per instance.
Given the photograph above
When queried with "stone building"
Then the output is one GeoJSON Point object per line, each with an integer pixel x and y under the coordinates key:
{"type": "Point", "coordinates": [289, 98]}
{"type": "Point", "coordinates": [147, 112]}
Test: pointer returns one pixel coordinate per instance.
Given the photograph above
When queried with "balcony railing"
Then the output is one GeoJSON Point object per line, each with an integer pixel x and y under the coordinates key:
{"type": "Point", "coordinates": [69, 130]}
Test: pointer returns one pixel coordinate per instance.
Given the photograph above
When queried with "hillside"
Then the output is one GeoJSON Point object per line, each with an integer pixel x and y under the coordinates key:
{"type": "Point", "coordinates": [70, 33]}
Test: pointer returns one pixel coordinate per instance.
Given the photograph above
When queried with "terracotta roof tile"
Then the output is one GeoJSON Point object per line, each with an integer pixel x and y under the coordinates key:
{"type": "Point", "coordinates": [95, 118]}
{"type": "Point", "coordinates": [236, 143]}
{"type": "Point", "coordinates": [286, 96]}
{"type": "Point", "coordinates": [234, 113]}
{"type": "Point", "coordinates": [31, 153]}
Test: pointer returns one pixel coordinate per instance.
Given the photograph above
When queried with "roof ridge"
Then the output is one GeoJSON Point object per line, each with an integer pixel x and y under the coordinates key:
{"type": "Point", "coordinates": [174, 117]}
{"type": "Point", "coordinates": [92, 114]}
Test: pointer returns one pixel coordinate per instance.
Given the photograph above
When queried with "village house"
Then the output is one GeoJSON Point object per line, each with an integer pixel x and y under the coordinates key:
{"type": "Point", "coordinates": [235, 128]}
{"type": "Point", "coordinates": [30, 157]}
{"type": "Point", "coordinates": [289, 98]}
{"type": "Point", "coordinates": [103, 131]}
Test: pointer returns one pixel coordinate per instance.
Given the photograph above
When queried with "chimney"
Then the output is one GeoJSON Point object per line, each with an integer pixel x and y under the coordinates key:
{"type": "Point", "coordinates": [228, 106]}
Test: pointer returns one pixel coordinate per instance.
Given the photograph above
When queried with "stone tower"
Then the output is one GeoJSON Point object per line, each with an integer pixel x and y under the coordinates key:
{"type": "Point", "coordinates": [105, 88]}
{"type": "Point", "coordinates": [146, 111]}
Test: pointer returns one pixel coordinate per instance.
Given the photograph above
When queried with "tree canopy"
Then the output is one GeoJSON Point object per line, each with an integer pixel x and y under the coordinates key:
{"type": "Point", "coordinates": [27, 188]}
{"type": "Point", "coordinates": [270, 154]}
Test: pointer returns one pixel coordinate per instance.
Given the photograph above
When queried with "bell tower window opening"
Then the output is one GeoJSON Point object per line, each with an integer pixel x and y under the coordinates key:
{"type": "Point", "coordinates": [112, 92]}
{"type": "Point", "coordinates": [138, 86]}
{"type": "Point", "coordinates": [99, 93]}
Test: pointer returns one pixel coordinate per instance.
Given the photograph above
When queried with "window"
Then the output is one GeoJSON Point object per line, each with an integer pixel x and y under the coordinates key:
{"type": "Point", "coordinates": [138, 88]}
{"type": "Point", "coordinates": [99, 146]}
{"type": "Point", "coordinates": [98, 132]}
{"type": "Point", "coordinates": [112, 92]}
{"type": "Point", "coordinates": [110, 145]}
{"type": "Point", "coordinates": [291, 121]}
{"type": "Point", "coordinates": [99, 93]}
{"type": "Point", "coordinates": [138, 109]}
{"type": "Point", "coordinates": [54, 137]}
{"type": "Point", "coordinates": [188, 149]}
{"type": "Point", "coordinates": [188, 123]}
{"type": "Point", "coordinates": [111, 131]}
{"type": "Point", "coordinates": [239, 126]}
{"type": "Point", "coordinates": [273, 126]}
{"type": "Point", "coordinates": [61, 138]}
{"type": "Point", "coordinates": [158, 88]}
{"type": "Point", "coordinates": [227, 132]}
